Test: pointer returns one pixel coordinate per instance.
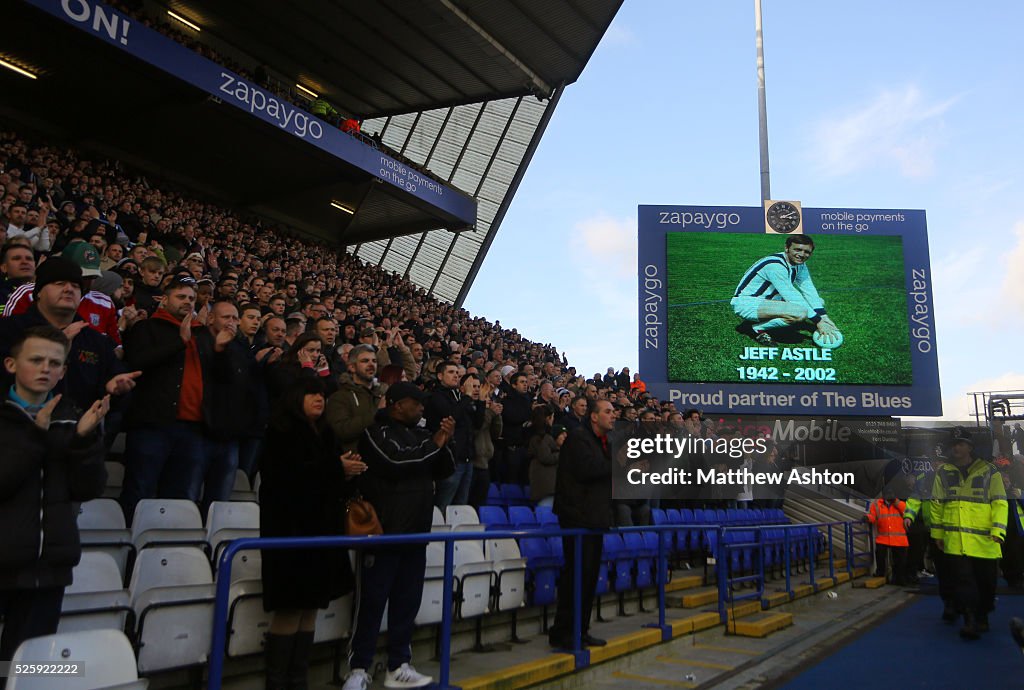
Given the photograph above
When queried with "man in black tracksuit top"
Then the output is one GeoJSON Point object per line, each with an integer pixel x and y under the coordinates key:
{"type": "Point", "coordinates": [583, 498]}
{"type": "Point", "coordinates": [403, 461]}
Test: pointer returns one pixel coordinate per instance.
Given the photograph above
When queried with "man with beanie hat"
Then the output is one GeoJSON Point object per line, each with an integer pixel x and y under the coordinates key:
{"type": "Point", "coordinates": [95, 308]}
{"type": "Point", "coordinates": [93, 369]}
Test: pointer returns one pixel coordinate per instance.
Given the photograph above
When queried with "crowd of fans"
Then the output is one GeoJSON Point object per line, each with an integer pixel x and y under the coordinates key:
{"type": "Point", "coordinates": [292, 304]}
{"type": "Point", "coordinates": [216, 342]}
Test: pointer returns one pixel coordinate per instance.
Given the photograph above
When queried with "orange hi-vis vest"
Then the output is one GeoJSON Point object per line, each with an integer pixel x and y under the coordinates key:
{"type": "Point", "coordinates": [889, 521]}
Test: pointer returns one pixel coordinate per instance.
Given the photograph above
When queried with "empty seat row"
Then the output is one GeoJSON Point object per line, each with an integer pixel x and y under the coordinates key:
{"type": "Point", "coordinates": [163, 522]}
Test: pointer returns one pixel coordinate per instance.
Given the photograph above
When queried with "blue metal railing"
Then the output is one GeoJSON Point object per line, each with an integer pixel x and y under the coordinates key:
{"type": "Point", "coordinates": [582, 656]}
{"type": "Point", "coordinates": [808, 535]}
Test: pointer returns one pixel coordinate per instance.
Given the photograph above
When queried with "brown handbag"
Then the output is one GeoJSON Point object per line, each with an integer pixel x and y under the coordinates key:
{"type": "Point", "coordinates": [361, 519]}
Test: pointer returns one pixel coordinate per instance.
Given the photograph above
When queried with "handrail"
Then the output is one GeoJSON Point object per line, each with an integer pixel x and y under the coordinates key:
{"type": "Point", "coordinates": [723, 549]}
{"type": "Point", "coordinates": [223, 584]}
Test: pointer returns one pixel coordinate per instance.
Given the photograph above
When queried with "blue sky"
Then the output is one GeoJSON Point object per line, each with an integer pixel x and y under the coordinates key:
{"type": "Point", "coordinates": [870, 104]}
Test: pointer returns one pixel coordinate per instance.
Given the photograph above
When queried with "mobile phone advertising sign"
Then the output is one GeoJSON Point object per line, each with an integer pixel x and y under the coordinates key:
{"type": "Point", "coordinates": [835, 318]}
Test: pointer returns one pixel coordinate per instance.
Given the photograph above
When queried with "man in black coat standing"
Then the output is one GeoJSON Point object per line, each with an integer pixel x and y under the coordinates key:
{"type": "Point", "coordinates": [583, 499]}
{"type": "Point", "coordinates": [448, 401]}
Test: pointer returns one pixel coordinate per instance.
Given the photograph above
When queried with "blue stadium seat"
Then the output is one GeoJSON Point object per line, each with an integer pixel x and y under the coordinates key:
{"type": "Point", "coordinates": [494, 497]}
{"type": "Point", "coordinates": [546, 517]}
{"type": "Point", "coordinates": [493, 517]}
{"type": "Point", "coordinates": [636, 549]}
{"type": "Point", "coordinates": [620, 563]}
{"type": "Point", "coordinates": [659, 517]}
{"type": "Point", "coordinates": [514, 495]}
{"type": "Point", "coordinates": [542, 569]}
{"type": "Point", "coordinates": [522, 517]}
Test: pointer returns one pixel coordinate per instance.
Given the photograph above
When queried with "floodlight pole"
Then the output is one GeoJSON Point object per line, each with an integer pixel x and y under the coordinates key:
{"type": "Point", "coordinates": [762, 105]}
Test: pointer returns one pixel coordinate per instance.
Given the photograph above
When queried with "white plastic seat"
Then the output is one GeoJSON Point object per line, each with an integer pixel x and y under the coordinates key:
{"type": "Point", "coordinates": [167, 521]}
{"type": "Point", "coordinates": [107, 655]}
{"type": "Point", "coordinates": [115, 479]}
{"type": "Point", "coordinates": [228, 520]}
{"type": "Point", "coordinates": [458, 515]}
{"type": "Point", "coordinates": [101, 528]}
{"type": "Point", "coordinates": [248, 623]}
{"type": "Point", "coordinates": [242, 491]}
{"type": "Point", "coordinates": [438, 517]}
{"type": "Point", "coordinates": [335, 621]}
{"type": "Point", "coordinates": [96, 598]}
{"type": "Point", "coordinates": [509, 572]}
{"type": "Point", "coordinates": [433, 586]}
{"type": "Point", "coordinates": [172, 595]}
{"type": "Point", "coordinates": [473, 576]}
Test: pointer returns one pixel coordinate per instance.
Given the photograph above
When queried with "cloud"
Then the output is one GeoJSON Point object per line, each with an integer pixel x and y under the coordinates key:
{"type": "Point", "coordinates": [898, 128]}
{"type": "Point", "coordinates": [606, 244]}
{"type": "Point", "coordinates": [1014, 274]}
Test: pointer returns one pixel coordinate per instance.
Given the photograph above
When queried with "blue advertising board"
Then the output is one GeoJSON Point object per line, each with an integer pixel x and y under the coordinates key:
{"type": "Point", "coordinates": [737, 320]}
{"type": "Point", "coordinates": [124, 33]}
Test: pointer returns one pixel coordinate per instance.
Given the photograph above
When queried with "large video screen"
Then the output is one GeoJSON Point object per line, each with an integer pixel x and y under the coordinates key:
{"type": "Point", "coordinates": [722, 286]}
{"type": "Point", "coordinates": [835, 318]}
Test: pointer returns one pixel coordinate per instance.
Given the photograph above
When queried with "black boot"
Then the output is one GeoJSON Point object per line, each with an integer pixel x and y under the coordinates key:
{"type": "Point", "coordinates": [298, 667]}
{"type": "Point", "coordinates": [278, 653]}
{"type": "Point", "coordinates": [949, 613]}
{"type": "Point", "coordinates": [970, 629]}
{"type": "Point", "coordinates": [982, 623]}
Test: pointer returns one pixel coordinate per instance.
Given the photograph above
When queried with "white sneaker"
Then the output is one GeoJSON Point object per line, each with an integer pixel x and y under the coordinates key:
{"type": "Point", "coordinates": [405, 676]}
{"type": "Point", "coordinates": [358, 679]}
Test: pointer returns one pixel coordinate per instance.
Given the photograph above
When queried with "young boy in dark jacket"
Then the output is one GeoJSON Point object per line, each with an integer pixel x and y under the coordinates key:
{"type": "Point", "coordinates": [52, 457]}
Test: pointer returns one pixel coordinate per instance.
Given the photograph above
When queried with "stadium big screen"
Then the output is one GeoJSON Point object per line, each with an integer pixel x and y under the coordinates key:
{"type": "Point", "coordinates": [837, 319]}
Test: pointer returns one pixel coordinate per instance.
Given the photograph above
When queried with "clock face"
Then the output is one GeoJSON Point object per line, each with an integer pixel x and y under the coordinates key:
{"type": "Point", "coordinates": [783, 217]}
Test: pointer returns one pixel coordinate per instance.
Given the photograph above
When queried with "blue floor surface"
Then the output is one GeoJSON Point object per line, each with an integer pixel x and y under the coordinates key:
{"type": "Point", "coordinates": [915, 649]}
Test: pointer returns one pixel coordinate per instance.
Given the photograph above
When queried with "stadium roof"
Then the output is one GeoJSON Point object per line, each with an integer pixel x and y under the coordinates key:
{"type": "Point", "coordinates": [462, 88]}
{"type": "Point", "coordinates": [391, 57]}
{"type": "Point", "coordinates": [453, 85]}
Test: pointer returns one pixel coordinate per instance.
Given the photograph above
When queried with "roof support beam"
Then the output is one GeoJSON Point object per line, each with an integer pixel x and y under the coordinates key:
{"type": "Point", "coordinates": [542, 86]}
{"type": "Point", "coordinates": [509, 194]}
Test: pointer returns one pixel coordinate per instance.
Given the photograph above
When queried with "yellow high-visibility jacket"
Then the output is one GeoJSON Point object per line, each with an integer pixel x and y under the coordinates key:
{"type": "Point", "coordinates": [919, 496]}
{"type": "Point", "coordinates": [966, 512]}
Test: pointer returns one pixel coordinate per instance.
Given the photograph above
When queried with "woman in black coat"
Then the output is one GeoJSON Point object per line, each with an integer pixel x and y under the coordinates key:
{"type": "Point", "coordinates": [303, 492]}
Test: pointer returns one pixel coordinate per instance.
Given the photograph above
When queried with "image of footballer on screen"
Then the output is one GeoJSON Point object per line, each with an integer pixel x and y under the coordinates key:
{"type": "Point", "coordinates": [765, 309]}
{"type": "Point", "coordinates": [777, 292]}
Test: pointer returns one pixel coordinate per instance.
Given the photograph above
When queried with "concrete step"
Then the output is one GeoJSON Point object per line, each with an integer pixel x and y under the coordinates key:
{"type": "Point", "coordinates": [842, 577]}
{"type": "Point", "coordinates": [871, 583]}
{"type": "Point", "coordinates": [681, 582]}
{"type": "Point", "coordinates": [524, 674]}
{"type": "Point", "coordinates": [695, 598]}
{"type": "Point", "coordinates": [804, 590]}
{"type": "Point", "coordinates": [693, 623]}
{"type": "Point", "coordinates": [625, 644]}
{"type": "Point", "coordinates": [824, 583]}
{"type": "Point", "coordinates": [772, 599]}
{"type": "Point", "coordinates": [861, 572]}
{"type": "Point", "coordinates": [760, 624]}
{"type": "Point", "coordinates": [741, 609]}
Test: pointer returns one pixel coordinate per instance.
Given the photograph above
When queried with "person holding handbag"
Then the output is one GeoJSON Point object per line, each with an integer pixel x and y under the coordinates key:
{"type": "Point", "coordinates": [306, 483]}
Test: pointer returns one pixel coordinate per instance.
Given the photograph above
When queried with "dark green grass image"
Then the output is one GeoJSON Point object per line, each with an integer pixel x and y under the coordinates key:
{"type": "Point", "coordinates": [861, 280]}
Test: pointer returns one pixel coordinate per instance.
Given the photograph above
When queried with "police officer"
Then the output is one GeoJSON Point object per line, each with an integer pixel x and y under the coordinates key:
{"type": "Point", "coordinates": [968, 522]}
{"type": "Point", "coordinates": [918, 512]}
